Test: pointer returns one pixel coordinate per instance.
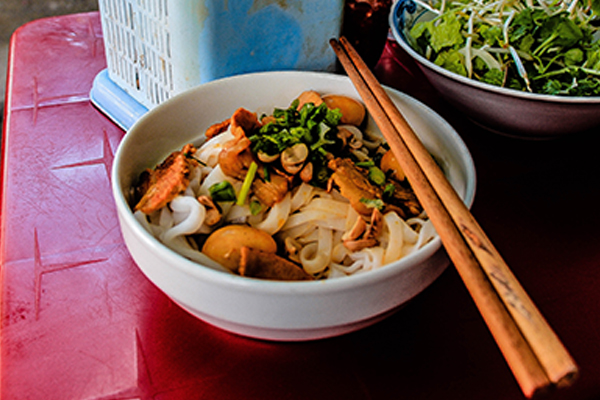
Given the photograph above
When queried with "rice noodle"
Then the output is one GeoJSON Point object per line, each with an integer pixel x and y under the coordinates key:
{"type": "Point", "coordinates": [303, 195]}
{"type": "Point", "coordinates": [368, 259]}
{"type": "Point", "coordinates": [316, 256]}
{"type": "Point", "coordinates": [276, 217]}
{"type": "Point", "coordinates": [208, 153]}
{"type": "Point", "coordinates": [188, 216]}
{"type": "Point", "coordinates": [311, 222]}
{"type": "Point", "coordinates": [395, 240]}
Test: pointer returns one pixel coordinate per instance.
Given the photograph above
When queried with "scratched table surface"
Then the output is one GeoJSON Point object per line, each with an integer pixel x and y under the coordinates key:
{"type": "Point", "coordinates": [80, 321]}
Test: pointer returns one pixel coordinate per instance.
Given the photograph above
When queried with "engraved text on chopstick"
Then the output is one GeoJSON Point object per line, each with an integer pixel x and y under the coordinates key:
{"type": "Point", "coordinates": [510, 295]}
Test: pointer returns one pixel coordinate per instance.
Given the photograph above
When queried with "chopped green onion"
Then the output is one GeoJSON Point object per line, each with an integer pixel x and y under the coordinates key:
{"type": "Point", "coordinates": [365, 164]}
{"type": "Point", "coordinates": [222, 191]}
{"type": "Point", "coordinates": [376, 176]}
{"type": "Point", "coordinates": [389, 190]}
{"type": "Point", "coordinates": [373, 203]}
{"type": "Point", "coordinates": [247, 183]}
{"type": "Point", "coordinates": [255, 207]}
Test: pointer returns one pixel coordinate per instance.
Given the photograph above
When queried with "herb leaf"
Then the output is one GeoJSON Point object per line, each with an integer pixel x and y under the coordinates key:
{"type": "Point", "coordinates": [528, 45]}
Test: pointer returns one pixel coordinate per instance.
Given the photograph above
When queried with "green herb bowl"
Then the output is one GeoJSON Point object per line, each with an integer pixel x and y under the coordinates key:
{"type": "Point", "coordinates": [506, 111]}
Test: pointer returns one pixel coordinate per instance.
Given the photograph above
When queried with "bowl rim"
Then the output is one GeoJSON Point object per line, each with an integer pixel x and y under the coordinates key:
{"type": "Point", "coordinates": [271, 286]}
{"type": "Point", "coordinates": [394, 22]}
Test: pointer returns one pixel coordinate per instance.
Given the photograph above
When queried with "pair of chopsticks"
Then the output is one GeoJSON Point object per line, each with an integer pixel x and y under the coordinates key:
{"type": "Point", "coordinates": [534, 353]}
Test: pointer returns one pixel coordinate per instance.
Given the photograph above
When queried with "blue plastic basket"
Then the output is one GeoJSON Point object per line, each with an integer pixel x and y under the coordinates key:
{"type": "Point", "coordinates": [156, 49]}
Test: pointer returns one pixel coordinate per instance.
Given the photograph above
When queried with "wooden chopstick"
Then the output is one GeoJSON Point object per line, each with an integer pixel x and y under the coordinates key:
{"type": "Point", "coordinates": [532, 350]}
{"type": "Point", "coordinates": [520, 358]}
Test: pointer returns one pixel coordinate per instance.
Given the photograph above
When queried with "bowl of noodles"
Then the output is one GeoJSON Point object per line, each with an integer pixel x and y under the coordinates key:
{"type": "Point", "coordinates": [269, 205]}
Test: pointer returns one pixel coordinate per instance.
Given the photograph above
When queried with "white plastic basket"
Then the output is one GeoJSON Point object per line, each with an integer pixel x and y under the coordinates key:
{"type": "Point", "coordinates": [158, 48]}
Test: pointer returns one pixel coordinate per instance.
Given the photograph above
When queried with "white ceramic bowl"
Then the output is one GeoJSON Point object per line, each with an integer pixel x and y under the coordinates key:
{"type": "Point", "coordinates": [506, 111]}
{"type": "Point", "coordinates": [264, 309]}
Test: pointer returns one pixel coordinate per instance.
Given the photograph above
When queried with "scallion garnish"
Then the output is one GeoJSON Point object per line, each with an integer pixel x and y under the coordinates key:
{"type": "Point", "coordinates": [241, 199]}
{"type": "Point", "coordinates": [373, 203]}
{"type": "Point", "coordinates": [388, 191]}
{"type": "Point", "coordinates": [365, 164]}
{"type": "Point", "coordinates": [376, 176]}
{"type": "Point", "coordinates": [255, 207]}
{"type": "Point", "coordinates": [222, 191]}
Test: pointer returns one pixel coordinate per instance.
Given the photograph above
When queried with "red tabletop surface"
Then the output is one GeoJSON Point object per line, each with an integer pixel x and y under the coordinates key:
{"type": "Point", "coordinates": [80, 321]}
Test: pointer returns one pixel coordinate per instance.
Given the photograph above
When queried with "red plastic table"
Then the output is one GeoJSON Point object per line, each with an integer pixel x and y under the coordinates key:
{"type": "Point", "coordinates": [80, 321]}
